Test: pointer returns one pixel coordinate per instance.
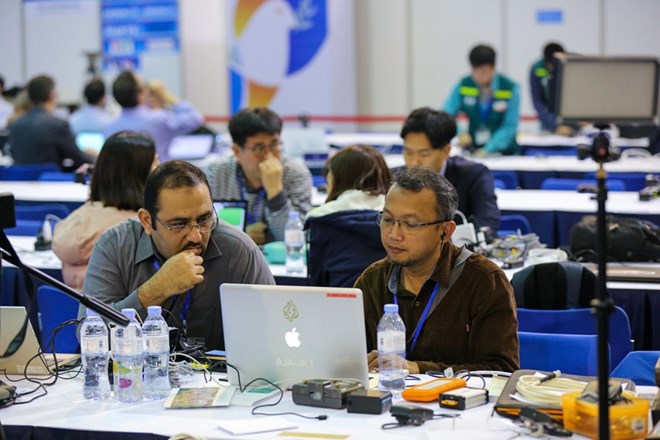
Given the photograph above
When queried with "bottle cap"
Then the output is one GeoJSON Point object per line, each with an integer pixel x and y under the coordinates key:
{"type": "Point", "coordinates": [154, 310]}
{"type": "Point", "coordinates": [129, 313]}
{"type": "Point", "coordinates": [90, 312]}
{"type": "Point", "coordinates": [391, 308]}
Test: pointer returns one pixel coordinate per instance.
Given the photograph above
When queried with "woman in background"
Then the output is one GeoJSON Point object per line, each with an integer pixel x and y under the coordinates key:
{"type": "Point", "coordinates": [357, 179]}
{"type": "Point", "coordinates": [116, 194]}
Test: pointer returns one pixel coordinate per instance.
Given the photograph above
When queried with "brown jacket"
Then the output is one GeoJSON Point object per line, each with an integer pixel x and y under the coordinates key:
{"type": "Point", "coordinates": [474, 327]}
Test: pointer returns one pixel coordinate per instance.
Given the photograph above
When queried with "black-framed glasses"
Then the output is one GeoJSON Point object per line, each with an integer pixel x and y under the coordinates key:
{"type": "Point", "coordinates": [387, 222]}
{"type": "Point", "coordinates": [260, 149]}
{"type": "Point", "coordinates": [205, 224]}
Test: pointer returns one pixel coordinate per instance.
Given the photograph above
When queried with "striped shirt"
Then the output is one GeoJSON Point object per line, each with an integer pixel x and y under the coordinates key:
{"type": "Point", "coordinates": [228, 183]}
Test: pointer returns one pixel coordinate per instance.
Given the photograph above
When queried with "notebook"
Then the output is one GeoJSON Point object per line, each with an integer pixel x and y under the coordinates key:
{"type": "Point", "coordinates": [233, 212]}
{"type": "Point", "coordinates": [90, 140]}
{"type": "Point", "coordinates": [11, 320]}
{"type": "Point", "coordinates": [191, 147]}
{"type": "Point", "coordinates": [289, 333]}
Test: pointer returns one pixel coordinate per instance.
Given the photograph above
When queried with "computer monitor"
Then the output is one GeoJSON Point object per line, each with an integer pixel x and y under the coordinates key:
{"type": "Point", "coordinates": [606, 89]}
{"type": "Point", "coordinates": [191, 147]}
{"type": "Point", "coordinates": [233, 212]}
{"type": "Point", "coordinates": [90, 140]}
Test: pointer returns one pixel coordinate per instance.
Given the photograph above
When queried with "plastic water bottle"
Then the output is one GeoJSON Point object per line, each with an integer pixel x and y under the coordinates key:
{"type": "Point", "coordinates": [294, 238]}
{"type": "Point", "coordinates": [391, 334]}
{"type": "Point", "coordinates": [156, 355]}
{"type": "Point", "coordinates": [127, 350]}
{"type": "Point", "coordinates": [95, 355]}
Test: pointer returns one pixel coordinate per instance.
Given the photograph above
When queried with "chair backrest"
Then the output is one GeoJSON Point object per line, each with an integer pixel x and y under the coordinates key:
{"type": "Point", "coordinates": [56, 307]}
{"type": "Point", "coordinates": [509, 178]}
{"type": "Point", "coordinates": [579, 322]}
{"type": "Point", "coordinates": [633, 181]}
{"type": "Point", "coordinates": [499, 184]}
{"type": "Point", "coordinates": [57, 176]}
{"type": "Point", "coordinates": [39, 212]}
{"type": "Point", "coordinates": [570, 354]}
{"type": "Point", "coordinates": [559, 285]}
{"type": "Point", "coordinates": [511, 224]}
{"type": "Point", "coordinates": [638, 366]}
{"type": "Point", "coordinates": [341, 246]}
{"type": "Point", "coordinates": [26, 172]}
{"type": "Point", "coordinates": [25, 228]}
{"type": "Point", "coordinates": [544, 151]}
{"type": "Point", "coordinates": [574, 184]}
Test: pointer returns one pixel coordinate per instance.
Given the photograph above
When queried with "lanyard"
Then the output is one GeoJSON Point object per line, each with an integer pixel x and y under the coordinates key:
{"type": "Point", "coordinates": [422, 319]}
{"type": "Point", "coordinates": [186, 304]}
{"type": "Point", "coordinates": [253, 208]}
{"type": "Point", "coordinates": [485, 109]}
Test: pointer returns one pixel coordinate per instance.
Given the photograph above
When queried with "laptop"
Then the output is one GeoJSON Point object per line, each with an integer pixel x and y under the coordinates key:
{"type": "Point", "coordinates": [90, 140]}
{"type": "Point", "coordinates": [191, 147]}
{"type": "Point", "coordinates": [11, 321]}
{"type": "Point", "coordinates": [290, 333]}
{"type": "Point", "coordinates": [233, 212]}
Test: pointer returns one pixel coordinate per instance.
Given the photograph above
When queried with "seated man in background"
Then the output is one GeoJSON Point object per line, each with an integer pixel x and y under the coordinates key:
{"type": "Point", "coordinates": [39, 137]}
{"type": "Point", "coordinates": [272, 184]}
{"type": "Point", "coordinates": [173, 118]}
{"type": "Point", "coordinates": [541, 83]}
{"type": "Point", "coordinates": [175, 256]}
{"type": "Point", "coordinates": [471, 322]}
{"type": "Point", "coordinates": [491, 101]}
{"type": "Point", "coordinates": [426, 135]}
{"type": "Point", "coordinates": [92, 116]}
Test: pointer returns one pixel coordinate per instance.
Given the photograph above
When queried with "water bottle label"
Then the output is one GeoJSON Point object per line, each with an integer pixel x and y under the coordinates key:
{"type": "Point", "coordinates": [391, 342]}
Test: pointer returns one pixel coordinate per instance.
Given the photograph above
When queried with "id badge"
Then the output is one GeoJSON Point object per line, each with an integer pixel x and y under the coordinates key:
{"type": "Point", "coordinates": [482, 136]}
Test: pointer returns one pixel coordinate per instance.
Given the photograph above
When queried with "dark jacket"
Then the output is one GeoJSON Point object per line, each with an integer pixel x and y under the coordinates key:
{"type": "Point", "coordinates": [39, 137]}
{"type": "Point", "coordinates": [341, 246]}
{"type": "Point", "coordinates": [476, 191]}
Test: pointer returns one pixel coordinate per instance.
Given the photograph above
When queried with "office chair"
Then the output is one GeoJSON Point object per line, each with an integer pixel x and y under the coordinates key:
{"type": "Point", "coordinates": [554, 286]}
{"type": "Point", "coordinates": [632, 181]}
{"type": "Point", "coordinates": [579, 322]}
{"type": "Point", "coordinates": [39, 212]}
{"type": "Point", "coordinates": [511, 224]}
{"type": "Point", "coordinates": [570, 354]}
{"type": "Point", "coordinates": [508, 178]}
{"type": "Point", "coordinates": [56, 307]}
{"type": "Point", "coordinates": [25, 228]}
{"type": "Point", "coordinates": [543, 152]}
{"type": "Point", "coordinates": [57, 176]}
{"type": "Point", "coordinates": [638, 366]}
{"type": "Point", "coordinates": [341, 246]}
{"type": "Point", "coordinates": [26, 172]}
{"type": "Point", "coordinates": [553, 183]}
{"type": "Point", "coordinates": [499, 184]}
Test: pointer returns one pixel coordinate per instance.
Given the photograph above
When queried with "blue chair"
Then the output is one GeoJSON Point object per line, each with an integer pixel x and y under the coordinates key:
{"type": "Point", "coordinates": [638, 366]}
{"type": "Point", "coordinates": [25, 228]}
{"type": "Point", "coordinates": [56, 307]}
{"type": "Point", "coordinates": [579, 322]}
{"type": "Point", "coordinates": [499, 184]}
{"type": "Point", "coordinates": [511, 224]}
{"type": "Point", "coordinates": [57, 176]}
{"type": "Point", "coordinates": [571, 354]}
{"type": "Point", "coordinates": [633, 181]}
{"type": "Point", "coordinates": [39, 212]}
{"type": "Point", "coordinates": [26, 172]}
{"type": "Point", "coordinates": [508, 178]}
{"type": "Point", "coordinates": [574, 184]}
{"type": "Point", "coordinates": [541, 152]}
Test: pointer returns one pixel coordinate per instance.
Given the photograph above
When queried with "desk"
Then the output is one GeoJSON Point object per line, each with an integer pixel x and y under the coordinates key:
{"type": "Point", "coordinates": [70, 194]}
{"type": "Point", "coordinates": [63, 410]}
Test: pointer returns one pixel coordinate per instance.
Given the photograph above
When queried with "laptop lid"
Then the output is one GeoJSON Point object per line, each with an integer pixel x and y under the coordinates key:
{"type": "Point", "coordinates": [191, 147]}
{"type": "Point", "coordinates": [11, 321]}
{"type": "Point", "coordinates": [90, 140]}
{"type": "Point", "coordinates": [233, 212]}
{"type": "Point", "coordinates": [289, 333]}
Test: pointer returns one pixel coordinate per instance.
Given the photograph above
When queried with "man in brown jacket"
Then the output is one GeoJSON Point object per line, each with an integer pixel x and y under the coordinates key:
{"type": "Point", "coordinates": [470, 322]}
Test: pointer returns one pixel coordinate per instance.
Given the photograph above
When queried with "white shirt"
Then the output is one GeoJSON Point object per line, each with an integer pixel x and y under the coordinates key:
{"type": "Point", "coordinates": [6, 110]}
{"type": "Point", "coordinates": [350, 200]}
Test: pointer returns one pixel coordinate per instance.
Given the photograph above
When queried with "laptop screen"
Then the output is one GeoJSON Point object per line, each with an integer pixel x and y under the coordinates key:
{"type": "Point", "coordinates": [90, 140]}
{"type": "Point", "coordinates": [290, 333]}
{"type": "Point", "coordinates": [191, 147]}
{"type": "Point", "coordinates": [233, 212]}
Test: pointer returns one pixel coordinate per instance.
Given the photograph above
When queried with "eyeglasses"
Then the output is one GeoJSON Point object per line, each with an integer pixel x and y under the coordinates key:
{"type": "Point", "coordinates": [260, 149]}
{"type": "Point", "coordinates": [205, 224]}
{"type": "Point", "coordinates": [387, 222]}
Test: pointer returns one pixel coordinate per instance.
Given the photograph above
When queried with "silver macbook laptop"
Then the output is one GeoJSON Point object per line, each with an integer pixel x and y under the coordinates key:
{"type": "Point", "coordinates": [11, 321]}
{"type": "Point", "coordinates": [289, 333]}
{"type": "Point", "coordinates": [191, 147]}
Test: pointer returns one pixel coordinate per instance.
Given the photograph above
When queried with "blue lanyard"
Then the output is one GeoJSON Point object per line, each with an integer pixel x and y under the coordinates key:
{"type": "Point", "coordinates": [253, 208]}
{"type": "Point", "coordinates": [186, 304]}
{"type": "Point", "coordinates": [485, 109]}
{"type": "Point", "coordinates": [422, 319]}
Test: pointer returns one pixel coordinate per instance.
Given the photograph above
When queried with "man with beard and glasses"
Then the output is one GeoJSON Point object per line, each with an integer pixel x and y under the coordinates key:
{"type": "Point", "coordinates": [458, 307]}
{"type": "Point", "coordinates": [175, 256]}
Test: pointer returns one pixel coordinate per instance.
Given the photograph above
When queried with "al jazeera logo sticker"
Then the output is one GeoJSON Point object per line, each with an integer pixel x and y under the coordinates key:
{"type": "Point", "coordinates": [290, 311]}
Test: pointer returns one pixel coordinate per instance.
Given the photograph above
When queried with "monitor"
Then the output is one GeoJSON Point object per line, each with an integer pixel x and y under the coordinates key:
{"type": "Point", "coordinates": [90, 140]}
{"type": "Point", "coordinates": [191, 147]}
{"type": "Point", "coordinates": [233, 212]}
